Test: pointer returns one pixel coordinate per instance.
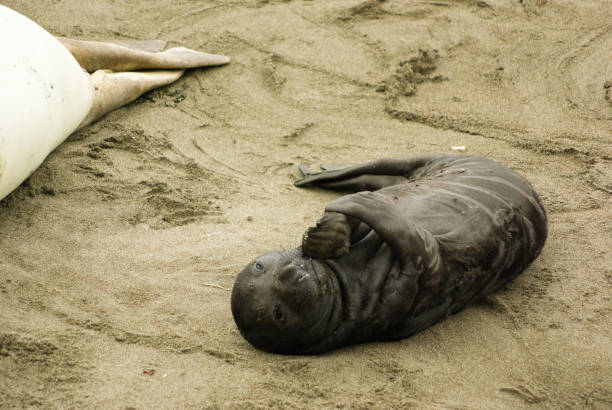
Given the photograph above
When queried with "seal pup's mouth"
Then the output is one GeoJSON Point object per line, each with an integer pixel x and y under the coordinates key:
{"type": "Point", "coordinates": [315, 274]}
{"type": "Point", "coordinates": [302, 271]}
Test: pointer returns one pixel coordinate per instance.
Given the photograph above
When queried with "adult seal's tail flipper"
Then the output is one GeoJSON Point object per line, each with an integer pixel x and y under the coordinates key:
{"type": "Point", "coordinates": [46, 93]}
{"type": "Point", "coordinates": [114, 90]}
{"type": "Point", "coordinates": [153, 46]}
{"type": "Point", "coordinates": [113, 63]}
{"type": "Point", "coordinates": [108, 55]}
{"type": "Point", "coordinates": [44, 96]}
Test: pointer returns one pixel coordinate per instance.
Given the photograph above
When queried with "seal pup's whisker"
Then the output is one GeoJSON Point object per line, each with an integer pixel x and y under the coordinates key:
{"type": "Point", "coordinates": [212, 285]}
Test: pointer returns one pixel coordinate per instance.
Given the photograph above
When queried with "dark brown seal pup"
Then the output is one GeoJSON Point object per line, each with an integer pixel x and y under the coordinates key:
{"type": "Point", "coordinates": [437, 233]}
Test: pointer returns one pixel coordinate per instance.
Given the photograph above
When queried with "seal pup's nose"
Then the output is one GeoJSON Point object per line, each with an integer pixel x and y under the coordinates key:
{"type": "Point", "coordinates": [291, 274]}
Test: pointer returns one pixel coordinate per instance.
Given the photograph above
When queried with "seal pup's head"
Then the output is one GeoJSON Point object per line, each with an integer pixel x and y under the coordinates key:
{"type": "Point", "coordinates": [282, 302]}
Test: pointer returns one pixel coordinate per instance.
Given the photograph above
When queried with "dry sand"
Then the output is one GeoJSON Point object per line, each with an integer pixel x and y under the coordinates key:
{"type": "Point", "coordinates": [118, 254]}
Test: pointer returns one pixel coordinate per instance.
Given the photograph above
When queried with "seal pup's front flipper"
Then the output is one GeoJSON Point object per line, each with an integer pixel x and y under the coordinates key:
{"type": "Point", "coordinates": [415, 247]}
{"type": "Point", "coordinates": [100, 55]}
{"type": "Point", "coordinates": [330, 238]}
{"type": "Point", "coordinates": [370, 176]}
{"type": "Point", "coordinates": [416, 250]}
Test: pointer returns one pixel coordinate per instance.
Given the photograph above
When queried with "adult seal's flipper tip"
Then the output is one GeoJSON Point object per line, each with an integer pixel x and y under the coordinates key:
{"type": "Point", "coordinates": [152, 46]}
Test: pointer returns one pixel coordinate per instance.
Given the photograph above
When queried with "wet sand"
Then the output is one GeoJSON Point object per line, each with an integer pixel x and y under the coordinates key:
{"type": "Point", "coordinates": [119, 253]}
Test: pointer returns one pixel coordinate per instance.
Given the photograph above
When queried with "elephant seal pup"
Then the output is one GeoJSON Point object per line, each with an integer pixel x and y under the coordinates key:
{"type": "Point", "coordinates": [421, 238]}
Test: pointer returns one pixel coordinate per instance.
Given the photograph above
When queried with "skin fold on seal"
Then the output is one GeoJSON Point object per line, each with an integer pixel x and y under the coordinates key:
{"type": "Point", "coordinates": [418, 240]}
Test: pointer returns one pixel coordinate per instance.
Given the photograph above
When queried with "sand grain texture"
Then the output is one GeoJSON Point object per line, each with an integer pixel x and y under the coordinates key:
{"type": "Point", "coordinates": [116, 256]}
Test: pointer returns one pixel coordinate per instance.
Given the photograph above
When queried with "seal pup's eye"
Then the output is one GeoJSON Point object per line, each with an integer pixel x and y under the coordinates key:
{"type": "Point", "coordinates": [258, 267]}
{"type": "Point", "coordinates": [277, 314]}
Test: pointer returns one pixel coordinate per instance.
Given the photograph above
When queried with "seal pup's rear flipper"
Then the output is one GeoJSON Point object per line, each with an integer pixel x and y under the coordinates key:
{"type": "Point", "coordinates": [365, 177]}
{"type": "Point", "coordinates": [308, 170]}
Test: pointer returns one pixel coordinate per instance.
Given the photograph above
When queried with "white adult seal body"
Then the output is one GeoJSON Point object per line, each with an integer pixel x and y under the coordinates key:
{"type": "Point", "coordinates": [44, 96]}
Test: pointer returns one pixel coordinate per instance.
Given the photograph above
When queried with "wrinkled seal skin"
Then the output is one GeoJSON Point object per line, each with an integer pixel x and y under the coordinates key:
{"type": "Point", "coordinates": [420, 239]}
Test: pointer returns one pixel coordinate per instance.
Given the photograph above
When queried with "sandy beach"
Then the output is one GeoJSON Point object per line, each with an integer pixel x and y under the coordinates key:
{"type": "Point", "coordinates": [118, 254]}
